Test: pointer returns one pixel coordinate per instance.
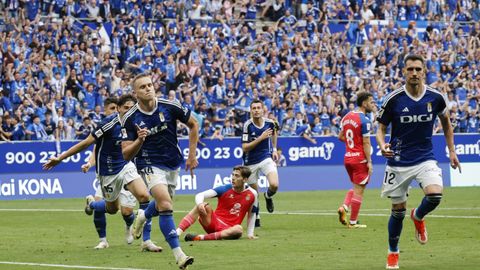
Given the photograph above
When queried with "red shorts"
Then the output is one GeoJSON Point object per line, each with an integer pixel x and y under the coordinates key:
{"type": "Point", "coordinates": [215, 225]}
{"type": "Point", "coordinates": [358, 173]}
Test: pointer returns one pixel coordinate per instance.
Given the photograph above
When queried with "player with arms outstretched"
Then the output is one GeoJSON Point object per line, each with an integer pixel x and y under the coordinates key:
{"type": "Point", "coordinates": [126, 199]}
{"type": "Point", "coordinates": [411, 110]}
{"type": "Point", "coordinates": [113, 172]}
{"type": "Point", "coordinates": [234, 202]}
{"type": "Point", "coordinates": [355, 132]}
{"type": "Point", "coordinates": [259, 145]}
{"type": "Point", "coordinates": [150, 138]}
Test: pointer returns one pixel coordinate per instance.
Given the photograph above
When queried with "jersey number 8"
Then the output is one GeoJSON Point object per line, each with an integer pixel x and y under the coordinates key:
{"type": "Point", "coordinates": [349, 138]}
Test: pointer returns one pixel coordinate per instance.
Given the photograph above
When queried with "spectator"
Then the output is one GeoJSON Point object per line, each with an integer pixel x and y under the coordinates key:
{"type": "Point", "coordinates": [304, 61]}
{"type": "Point", "coordinates": [85, 129]}
{"type": "Point", "coordinates": [282, 160]}
{"type": "Point", "coordinates": [36, 130]}
{"type": "Point", "coordinates": [49, 126]}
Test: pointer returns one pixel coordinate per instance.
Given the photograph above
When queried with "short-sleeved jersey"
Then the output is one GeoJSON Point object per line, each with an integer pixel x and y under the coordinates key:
{"type": "Point", "coordinates": [108, 150]}
{"type": "Point", "coordinates": [233, 206]}
{"type": "Point", "coordinates": [355, 125]}
{"type": "Point", "coordinates": [160, 148]}
{"type": "Point", "coordinates": [412, 122]}
{"type": "Point", "coordinates": [264, 149]}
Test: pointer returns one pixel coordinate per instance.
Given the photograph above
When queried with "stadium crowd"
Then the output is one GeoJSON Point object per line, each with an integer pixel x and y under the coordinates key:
{"type": "Point", "coordinates": [60, 60]}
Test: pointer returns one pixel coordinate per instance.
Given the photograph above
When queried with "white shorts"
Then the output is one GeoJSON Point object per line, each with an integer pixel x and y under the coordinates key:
{"type": "Point", "coordinates": [153, 176]}
{"type": "Point", "coordinates": [125, 198]}
{"type": "Point", "coordinates": [265, 167]}
{"type": "Point", "coordinates": [112, 185]}
{"type": "Point", "coordinates": [397, 179]}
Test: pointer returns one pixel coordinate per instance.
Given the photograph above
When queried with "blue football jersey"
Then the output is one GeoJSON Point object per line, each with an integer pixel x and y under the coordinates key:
{"type": "Point", "coordinates": [264, 149]}
{"type": "Point", "coordinates": [412, 122]}
{"type": "Point", "coordinates": [108, 149]}
{"type": "Point", "coordinates": [160, 148]}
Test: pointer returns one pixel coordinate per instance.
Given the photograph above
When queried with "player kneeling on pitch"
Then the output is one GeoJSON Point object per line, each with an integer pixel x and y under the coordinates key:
{"type": "Point", "coordinates": [235, 200]}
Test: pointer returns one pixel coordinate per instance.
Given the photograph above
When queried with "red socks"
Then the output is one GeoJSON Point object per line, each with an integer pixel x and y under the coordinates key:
{"type": "Point", "coordinates": [213, 236]}
{"type": "Point", "coordinates": [348, 198]}
{"type": "Point", "coordinates": [356, 203]}
{"type": "Point", "coordinates": [186, 222]}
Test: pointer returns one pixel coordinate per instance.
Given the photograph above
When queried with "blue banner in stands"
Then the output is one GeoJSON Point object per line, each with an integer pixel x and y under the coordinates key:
{"type": "Point", "coordinates": [29, 156]}
{"type": "Point", "coordinates": [309, 167]}
{"type": "Point", "coordinates": [52, 184]}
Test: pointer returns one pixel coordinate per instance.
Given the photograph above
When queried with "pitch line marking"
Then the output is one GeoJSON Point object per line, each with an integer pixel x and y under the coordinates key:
{"type": "Point", "coordinates": [387, 209]}
{"type": "Point", "coordinates": [297, 212]}
{"type": "Point", "coordinates": [364, 214]}
{"type": "Point", "coordinates": [185, 211]}
{"type": "Point", "coordinates": [68, 266]}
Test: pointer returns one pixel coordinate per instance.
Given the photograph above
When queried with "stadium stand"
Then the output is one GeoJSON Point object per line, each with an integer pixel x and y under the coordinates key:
{"type": "Point", "coordinates": [60, 59]}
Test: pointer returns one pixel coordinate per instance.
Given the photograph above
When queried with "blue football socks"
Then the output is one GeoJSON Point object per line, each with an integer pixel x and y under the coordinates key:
{"type": "Point", "coordinates": [129, 219]}
{"type": "Point", "coordinates": [99, 206]}
{"type": "Point", "coordinates": [428, 204]}
{"type": "Point", "coordinates": [100, 222]}
{"type": "Point", "coordinates": [395, 225]}
{"type": "Point", "coordinates": [151, 210]}
{"type": "Point", "coordinates": [167, 226]}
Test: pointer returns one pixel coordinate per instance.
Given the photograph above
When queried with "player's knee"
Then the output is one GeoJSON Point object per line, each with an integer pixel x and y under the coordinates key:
{"type": "Point", "coordinates": [399, 213]}
{"type": "Point", "coordinates": [237, 232]}
{"type": "Point", "coordinates": [164, 205]}
{"type": "Point", "coordinates": [112, 210]}
{"type": "Point", "coordinates": [273, 187]}
{"type": "Point", "coordinates": [358, 189]}
{"type": "Point", "coordinates": [112, 207]}
{"type": "Point", "coordinates": [434, 198]}
{"type": "Point", "coordinates": [143, 197]}
{"type": "Point", "coordinates": [126, 211]}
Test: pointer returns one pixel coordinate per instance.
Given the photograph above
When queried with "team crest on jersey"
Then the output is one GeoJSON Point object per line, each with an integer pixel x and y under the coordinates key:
{"type": "Point", "coordinates": [248, 197]}
{"type": "Point", "coordinates": [124, 133]}
{"type": "Point", "coordinates": [99, 133]}
{"type": "Point", "coordinates": [231, 196]}
{"type": "Point", "coordinates": [162, 117]}
{"type": "Point", "coordinates": [429, 107]}
{"type": "Point", "coordinates": [236, 209]}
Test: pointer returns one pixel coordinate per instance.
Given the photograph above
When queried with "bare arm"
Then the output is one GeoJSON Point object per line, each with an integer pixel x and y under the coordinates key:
{"type": "Point", "coordinates": [367, 149]}
{"type": "Point", "coordinates": [91, 161]}
{"type": "Point", "coordinates": [192, 161]}
{"type": "Point", "coordinates": [448, 133]}
{"type": "Point", "coordinates": [341, 136]}
{"type": "Point", "coordinates": [275, 155]}
{"type": "Point", "coordinates": [131, 148]}
{"type": "Point", "coordinates": [54, 161]}
{"type": "Point", "coordinates": [384, 147]}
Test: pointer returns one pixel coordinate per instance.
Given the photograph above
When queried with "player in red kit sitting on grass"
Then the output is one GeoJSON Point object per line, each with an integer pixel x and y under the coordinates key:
{"type": "Point", "coordinates": [355, 133]}
{"type": "Point", "coordinates": [235, 200]}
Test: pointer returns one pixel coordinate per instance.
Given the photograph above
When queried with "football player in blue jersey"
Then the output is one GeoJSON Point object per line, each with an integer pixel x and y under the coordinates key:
{"type": "Point", "coordinates": [112, 171]}
{"type": "Point", "coordinates": [412, 110]}
{"type": "Point", "coordinates": [150, 139]}
{"type": "Point", "coordinates": [126, 199]}
{"type": "Point", "coordinates": [259, 145]}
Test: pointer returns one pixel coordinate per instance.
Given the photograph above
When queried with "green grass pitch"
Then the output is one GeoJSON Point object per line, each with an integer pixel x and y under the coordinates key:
{"type": "Point", "coordinates": [303, 233]}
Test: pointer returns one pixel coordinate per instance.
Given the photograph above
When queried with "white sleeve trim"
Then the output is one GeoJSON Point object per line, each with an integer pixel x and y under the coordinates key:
{"type": "Point", "coordinates": [200, 197]}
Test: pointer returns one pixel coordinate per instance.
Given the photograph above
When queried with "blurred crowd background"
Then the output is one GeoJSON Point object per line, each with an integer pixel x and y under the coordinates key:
{"type": "Point", "coordinates": [61, 59]}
